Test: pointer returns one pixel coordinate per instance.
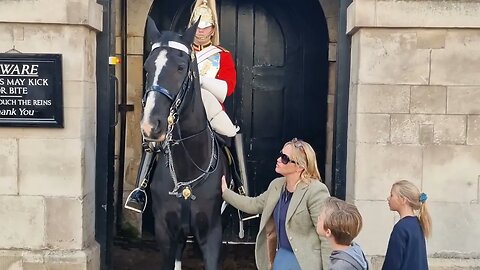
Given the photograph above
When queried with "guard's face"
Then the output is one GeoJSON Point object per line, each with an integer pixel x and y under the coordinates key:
{"type": "Point", "coordinates": [204, 35]}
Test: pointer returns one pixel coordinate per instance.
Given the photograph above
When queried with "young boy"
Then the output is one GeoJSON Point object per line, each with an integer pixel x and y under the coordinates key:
{"type": "Point", "coordinates": [340, 223]}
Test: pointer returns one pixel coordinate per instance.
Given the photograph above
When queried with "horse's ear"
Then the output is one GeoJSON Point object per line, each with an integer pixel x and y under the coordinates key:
{"type": "Point", "coordinates": [152, 33]}
{"type": "Point", "coordinates": [189, 34]}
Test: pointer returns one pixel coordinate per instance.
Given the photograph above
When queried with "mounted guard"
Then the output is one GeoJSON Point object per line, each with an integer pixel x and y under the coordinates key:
{"type": "Point", "coordinates": [216, 67]}
{"type": "Point", "coordinates": [217, 80]}
{"type": "Point", "coordinates": [186, 163]}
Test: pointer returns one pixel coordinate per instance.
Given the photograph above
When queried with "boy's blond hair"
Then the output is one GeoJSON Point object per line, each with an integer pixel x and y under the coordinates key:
{"type": "Point", "coordinates": [342, 219]}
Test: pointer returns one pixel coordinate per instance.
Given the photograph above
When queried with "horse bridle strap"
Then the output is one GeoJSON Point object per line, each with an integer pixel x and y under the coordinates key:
{"type": "Point", "coordinates": [172, 121]}
{"type": "Point", "coordinates": [172, 44]}
{"type": "Point", "coordinates": [189, 184]}
{"type": "Point", "coordinates": [161, 90]}
{"type": "Point", "coordinates": [178, 99]}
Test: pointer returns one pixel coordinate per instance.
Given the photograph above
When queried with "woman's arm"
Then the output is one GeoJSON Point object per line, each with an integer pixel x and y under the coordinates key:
{"type": "Point", "coordinates": [318, 194]}
{"type": "Point", "coordinates": [250, 205]}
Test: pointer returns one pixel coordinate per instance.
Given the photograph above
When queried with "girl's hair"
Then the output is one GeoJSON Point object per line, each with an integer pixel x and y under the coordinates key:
{"type": "Point", "coordinates": [304, 156]}
{"type": "Point", "coordinates": [342, 219]}
{"type": "Point", "coordinates": [410, 192]}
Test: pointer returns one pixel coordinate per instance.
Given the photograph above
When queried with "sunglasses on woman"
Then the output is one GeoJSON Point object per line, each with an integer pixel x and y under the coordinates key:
{"type": "Point", "coordinates": [285, 159]}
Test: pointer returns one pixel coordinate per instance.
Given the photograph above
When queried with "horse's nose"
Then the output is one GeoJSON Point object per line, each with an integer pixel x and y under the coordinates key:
{"type": "Point", "coordinates": [151, 127]}
{"type": "Point", "coordinates": [157, 127]}
{"type": "Point", "coordinates": [146, 128]}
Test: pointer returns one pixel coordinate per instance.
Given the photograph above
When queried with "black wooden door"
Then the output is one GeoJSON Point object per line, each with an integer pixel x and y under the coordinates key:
{"type": "Point", "coordinates": [281, 51]}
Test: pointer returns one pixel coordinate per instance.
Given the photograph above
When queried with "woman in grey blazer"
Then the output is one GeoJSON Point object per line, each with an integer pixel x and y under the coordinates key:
{"type": "Point", "coordinates": [287, 238]}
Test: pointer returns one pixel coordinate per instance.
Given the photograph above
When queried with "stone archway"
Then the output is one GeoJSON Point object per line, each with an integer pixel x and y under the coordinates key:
{"type": "Point", "coordinates": [137, 12]}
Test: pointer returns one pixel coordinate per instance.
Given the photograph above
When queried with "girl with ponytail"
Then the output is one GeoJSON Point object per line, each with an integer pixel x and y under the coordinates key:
{"type": "Point", "coordinates": [406, 247]}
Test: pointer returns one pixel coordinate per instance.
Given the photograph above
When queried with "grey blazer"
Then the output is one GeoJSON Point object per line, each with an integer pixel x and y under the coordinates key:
{"type": "Point", "coordinates": [312, 251]}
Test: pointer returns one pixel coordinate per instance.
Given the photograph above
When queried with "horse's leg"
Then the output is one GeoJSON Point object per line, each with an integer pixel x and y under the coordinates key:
{"type": "Point", "coordinates": [211, 248]}
{"type": "Point", "coordinates": [167, 246]}
{"type": "Point", "coordinates": [168, 234]}
{"type": "Point", "coordinates": [209, 238]}
{"type": "Point", "coordinates": [178, 256]}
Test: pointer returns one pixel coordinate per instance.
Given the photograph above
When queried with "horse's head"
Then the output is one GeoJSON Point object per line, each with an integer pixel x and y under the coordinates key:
{"type": "Point", "coordinates": [169, 72]}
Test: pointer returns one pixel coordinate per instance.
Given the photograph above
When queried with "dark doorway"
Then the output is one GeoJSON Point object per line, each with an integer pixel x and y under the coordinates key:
{"type": "Point", "coordinates": [281, 50]}
{"type": "Point", "coordinates": [281, 54]}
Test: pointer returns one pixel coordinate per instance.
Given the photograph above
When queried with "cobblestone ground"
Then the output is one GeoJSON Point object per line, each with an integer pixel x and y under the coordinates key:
{"type": "Point", "coordinates": [143, 255]}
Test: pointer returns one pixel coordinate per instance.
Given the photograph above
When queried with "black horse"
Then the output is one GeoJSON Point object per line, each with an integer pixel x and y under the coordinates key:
{"type": "Point", "coordinates": [186, 180]}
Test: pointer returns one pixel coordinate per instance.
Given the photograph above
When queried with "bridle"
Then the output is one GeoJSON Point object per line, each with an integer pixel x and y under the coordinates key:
{"type": "Point", "coordinates": [172, 121]}
{"type": "Point", "coordinates": [176, 100]}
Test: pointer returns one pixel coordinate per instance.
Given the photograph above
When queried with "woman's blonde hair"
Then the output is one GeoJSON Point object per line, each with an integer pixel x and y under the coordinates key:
{"type": "Point", "coordinates": [304, 156]}
{"type": "Point", "coordinates": [417, 201]}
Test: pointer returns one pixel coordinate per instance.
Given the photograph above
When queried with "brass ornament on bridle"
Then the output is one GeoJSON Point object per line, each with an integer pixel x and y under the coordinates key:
{"type": "Point", "coordinates": [186, 193]}
{"type": "Point", "coordinates": [170, 119]}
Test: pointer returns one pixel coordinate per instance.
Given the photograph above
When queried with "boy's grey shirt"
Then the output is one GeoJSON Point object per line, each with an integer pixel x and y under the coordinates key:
{"type": "Point", "coordinates": [350, 259]}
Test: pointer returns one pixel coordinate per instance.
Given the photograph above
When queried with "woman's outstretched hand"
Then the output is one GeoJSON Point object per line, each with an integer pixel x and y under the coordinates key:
{"type": "Point", "coordinates": [224, 184]}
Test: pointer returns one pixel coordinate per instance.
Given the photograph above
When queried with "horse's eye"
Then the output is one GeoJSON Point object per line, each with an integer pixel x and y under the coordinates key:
{"type": "Point", "coordinates": [181, 68]}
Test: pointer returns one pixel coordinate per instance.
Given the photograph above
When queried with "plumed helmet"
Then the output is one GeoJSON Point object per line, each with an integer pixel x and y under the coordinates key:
{"type": "Point", "coordinates": [206, 10]}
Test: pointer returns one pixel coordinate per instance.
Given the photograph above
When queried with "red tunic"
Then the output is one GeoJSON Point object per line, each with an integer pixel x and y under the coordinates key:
{"type": "Point", "coordinates": [227, 71]}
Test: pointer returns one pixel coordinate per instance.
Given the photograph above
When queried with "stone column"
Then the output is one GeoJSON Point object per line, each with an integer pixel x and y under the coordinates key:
{"type": "Point", "coordinates": [47, 176]}
{"type": "Point", "coordinates": [330, 10]}
{"type": "Point", "coordinates": [414, 114]}
{"type": "Point", "coordinates": [137, 13]}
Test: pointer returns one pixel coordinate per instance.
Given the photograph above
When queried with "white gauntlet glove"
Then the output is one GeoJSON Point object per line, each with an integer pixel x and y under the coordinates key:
{"type": "Point", "coordinates": [215, 86]}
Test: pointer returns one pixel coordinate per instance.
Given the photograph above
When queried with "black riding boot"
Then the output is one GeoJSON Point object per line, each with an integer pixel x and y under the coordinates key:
{"type": "Point", "coordinates": [137, 199]}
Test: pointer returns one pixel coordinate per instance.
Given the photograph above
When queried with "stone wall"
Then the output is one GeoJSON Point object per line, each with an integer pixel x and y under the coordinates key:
{"type": "Point", "coordinates": [331, 12]}
{"type": "Point", "coordinates": [47, 176]}
{"type": "Point", "coordinates": [415, 114]}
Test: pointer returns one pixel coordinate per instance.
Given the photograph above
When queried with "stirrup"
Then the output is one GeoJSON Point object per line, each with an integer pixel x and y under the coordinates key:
{"type": "Point", "coordinates": [140, 209]}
